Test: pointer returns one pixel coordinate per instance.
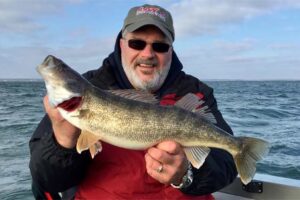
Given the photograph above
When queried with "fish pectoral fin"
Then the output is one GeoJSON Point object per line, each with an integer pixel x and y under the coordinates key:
{"type": "Point", "coordinates": [86, 141]}
{"type": "Point", "coordinates": [95, 149]}
{"type": "Point", "coordinates": [191, 102]}
{"type": "Point", "coordinates": [196, 155]}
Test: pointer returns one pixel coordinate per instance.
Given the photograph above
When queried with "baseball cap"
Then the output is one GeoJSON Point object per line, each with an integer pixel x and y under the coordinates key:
{"type": "Point", "coordinates": [149, 15]}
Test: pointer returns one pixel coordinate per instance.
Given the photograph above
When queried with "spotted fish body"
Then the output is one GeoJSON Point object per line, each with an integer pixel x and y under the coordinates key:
{"type": "Point", "coordinates": [132, 119]}
{"type": "Point", "coordinates": [137, 125]}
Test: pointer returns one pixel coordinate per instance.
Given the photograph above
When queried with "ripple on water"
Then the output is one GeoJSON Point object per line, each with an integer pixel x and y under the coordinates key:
{"type": "Point", "coordinates": [268, 110]}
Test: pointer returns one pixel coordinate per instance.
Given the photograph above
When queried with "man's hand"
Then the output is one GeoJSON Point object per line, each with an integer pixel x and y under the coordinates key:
{"type": "Point", "coordinates": [166, 162]}
{"type": "Point", "coordinates": [65, 133]}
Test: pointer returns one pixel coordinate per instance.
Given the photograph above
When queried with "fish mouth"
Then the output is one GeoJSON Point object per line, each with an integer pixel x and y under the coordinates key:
{"type": "Point", "coordinates": [71, 104]}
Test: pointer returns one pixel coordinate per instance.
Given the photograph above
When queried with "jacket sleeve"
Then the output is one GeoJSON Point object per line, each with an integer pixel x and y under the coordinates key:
{"type": "Point", "coordinates": [53, 167]}
{"type": "Point", "coordinates": [219, 169]}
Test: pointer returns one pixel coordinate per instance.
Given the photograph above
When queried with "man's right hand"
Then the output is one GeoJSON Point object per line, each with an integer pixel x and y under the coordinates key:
{"type": "Point", "coordinates": [65, 133]}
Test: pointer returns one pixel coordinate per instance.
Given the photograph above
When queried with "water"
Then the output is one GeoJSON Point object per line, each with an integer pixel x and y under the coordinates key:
{"type": "Point", "coordinates": [20, 111]}
{"type": "Point", "coordinates": [266, 109]}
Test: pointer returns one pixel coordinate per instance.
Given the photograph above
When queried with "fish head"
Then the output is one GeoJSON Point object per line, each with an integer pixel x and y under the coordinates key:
{"type": "Point", "coordinates": [65, 87]}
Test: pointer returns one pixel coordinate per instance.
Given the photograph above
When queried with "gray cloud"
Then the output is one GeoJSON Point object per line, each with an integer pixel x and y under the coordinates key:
{"type": "Point", "coordinates": [88, 55]}
{"type": "Point", "coordinates": [23, 16]}
{"type": "Point", "coordinates": [244, 67]}
{"type": "Point", "coordinates": [21, 61]}
{"type": "Point", "coordinates": [198, 17]}
{"type": "Point", "coordinates": [235, 47]}
{"type": "Point", "coordinates": [218, 59]}
{"type": "Point", "coordinates": [286, 47]}
{"type": "Point", "coordinates": [242, 59]}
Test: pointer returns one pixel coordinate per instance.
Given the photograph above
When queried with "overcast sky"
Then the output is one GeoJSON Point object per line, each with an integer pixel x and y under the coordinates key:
{"type": "Point", "coordinates": [215, 39]}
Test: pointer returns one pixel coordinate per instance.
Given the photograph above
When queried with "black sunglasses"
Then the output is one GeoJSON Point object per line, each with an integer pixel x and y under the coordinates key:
{"type": "Point", "coordinates": [158, 47]}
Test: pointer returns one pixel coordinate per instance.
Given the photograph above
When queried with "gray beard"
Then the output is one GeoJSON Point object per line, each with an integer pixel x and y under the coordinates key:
{"type": "Point", "coordinates": [151, 85]}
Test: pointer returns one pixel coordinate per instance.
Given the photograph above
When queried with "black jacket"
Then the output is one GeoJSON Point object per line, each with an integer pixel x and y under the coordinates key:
{"type": "Point", "coordinates": [55, 169]}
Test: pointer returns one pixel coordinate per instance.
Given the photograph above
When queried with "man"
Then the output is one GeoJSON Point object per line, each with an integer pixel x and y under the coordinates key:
{"type": "Point", "coordinates": [143, 59]}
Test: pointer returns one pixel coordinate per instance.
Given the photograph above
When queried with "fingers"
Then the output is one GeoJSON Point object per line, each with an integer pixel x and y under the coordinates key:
{"type": "Point", "coordinates": [46, 103]}
{"type": "Point", "coordinates": [153, 166]}
{"type": "Point", "coordinates": [159, 171]}
{"type": "Point", "coordinates": [167, 152]}
{"type": "Point", "coordinates": [53, 113]}
{"type": "Point", "coordinates": [65, 133]}
{"type": "Point", "coordinates": [166, 162]}
{"type": "Point", "coordinates": [160, 155]}
{"type": "Point", "coordinates": [170, 146]}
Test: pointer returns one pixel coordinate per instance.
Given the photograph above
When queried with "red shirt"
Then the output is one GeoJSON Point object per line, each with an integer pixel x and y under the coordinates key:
{"type": "Point", "coordinates": [118, 173]}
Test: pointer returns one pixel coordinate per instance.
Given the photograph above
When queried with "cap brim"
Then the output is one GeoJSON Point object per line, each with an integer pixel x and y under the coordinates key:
{"type": "Point", "coordinates": [137, 25]}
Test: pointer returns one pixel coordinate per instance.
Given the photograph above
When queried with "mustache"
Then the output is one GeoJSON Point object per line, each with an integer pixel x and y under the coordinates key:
{"type": "Point", "coordinates": [146, 61]}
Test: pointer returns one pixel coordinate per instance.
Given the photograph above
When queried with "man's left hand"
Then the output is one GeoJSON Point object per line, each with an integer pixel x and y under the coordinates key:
{"type": "Point", "coordinates": [166, 162]}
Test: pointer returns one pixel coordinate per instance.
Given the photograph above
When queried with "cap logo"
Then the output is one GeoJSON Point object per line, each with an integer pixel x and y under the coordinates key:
{"type": "Point", "coordinates": [151, 11]}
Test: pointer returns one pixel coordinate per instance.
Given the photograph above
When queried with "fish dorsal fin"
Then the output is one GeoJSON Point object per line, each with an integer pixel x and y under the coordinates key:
{"type": "Point", "coordinates": [191, 102]}
{"type": "Point", "coordinates": [138, 95]}
{"type": "Point", "coordinates": [206, 114]}
{"type": "Point", "coordinates": [87, 141]}
{"type": "Point", "coordinates": [196, 155]}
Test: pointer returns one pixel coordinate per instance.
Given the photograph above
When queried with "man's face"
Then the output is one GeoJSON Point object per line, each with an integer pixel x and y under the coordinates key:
{"type": "Point", "coordinates": [146, 69]}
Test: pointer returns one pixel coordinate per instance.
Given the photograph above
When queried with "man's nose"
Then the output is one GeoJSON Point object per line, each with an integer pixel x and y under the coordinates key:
{"type": "Point", "coordinates": [148, 51]}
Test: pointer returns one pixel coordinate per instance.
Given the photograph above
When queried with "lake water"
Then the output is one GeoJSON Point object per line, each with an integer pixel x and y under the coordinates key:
{"type": "Point", "coordinates": [265, 109]}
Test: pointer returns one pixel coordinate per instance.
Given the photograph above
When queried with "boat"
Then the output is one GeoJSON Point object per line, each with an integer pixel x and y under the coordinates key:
{"type": "Point", "coordinates": [261, 187]}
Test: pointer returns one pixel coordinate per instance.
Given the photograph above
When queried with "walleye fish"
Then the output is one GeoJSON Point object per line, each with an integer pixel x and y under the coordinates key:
{"type": "Point", "coordinates": [134, 120]}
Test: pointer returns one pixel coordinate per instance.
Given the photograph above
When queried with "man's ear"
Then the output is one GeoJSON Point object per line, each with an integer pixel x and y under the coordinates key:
{"type": "Point", "coordinates": [122, 43]}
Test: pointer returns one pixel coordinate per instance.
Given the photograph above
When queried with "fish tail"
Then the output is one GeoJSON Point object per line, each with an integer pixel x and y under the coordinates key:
{"type": "Point", "coordinates": [253, 150]}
